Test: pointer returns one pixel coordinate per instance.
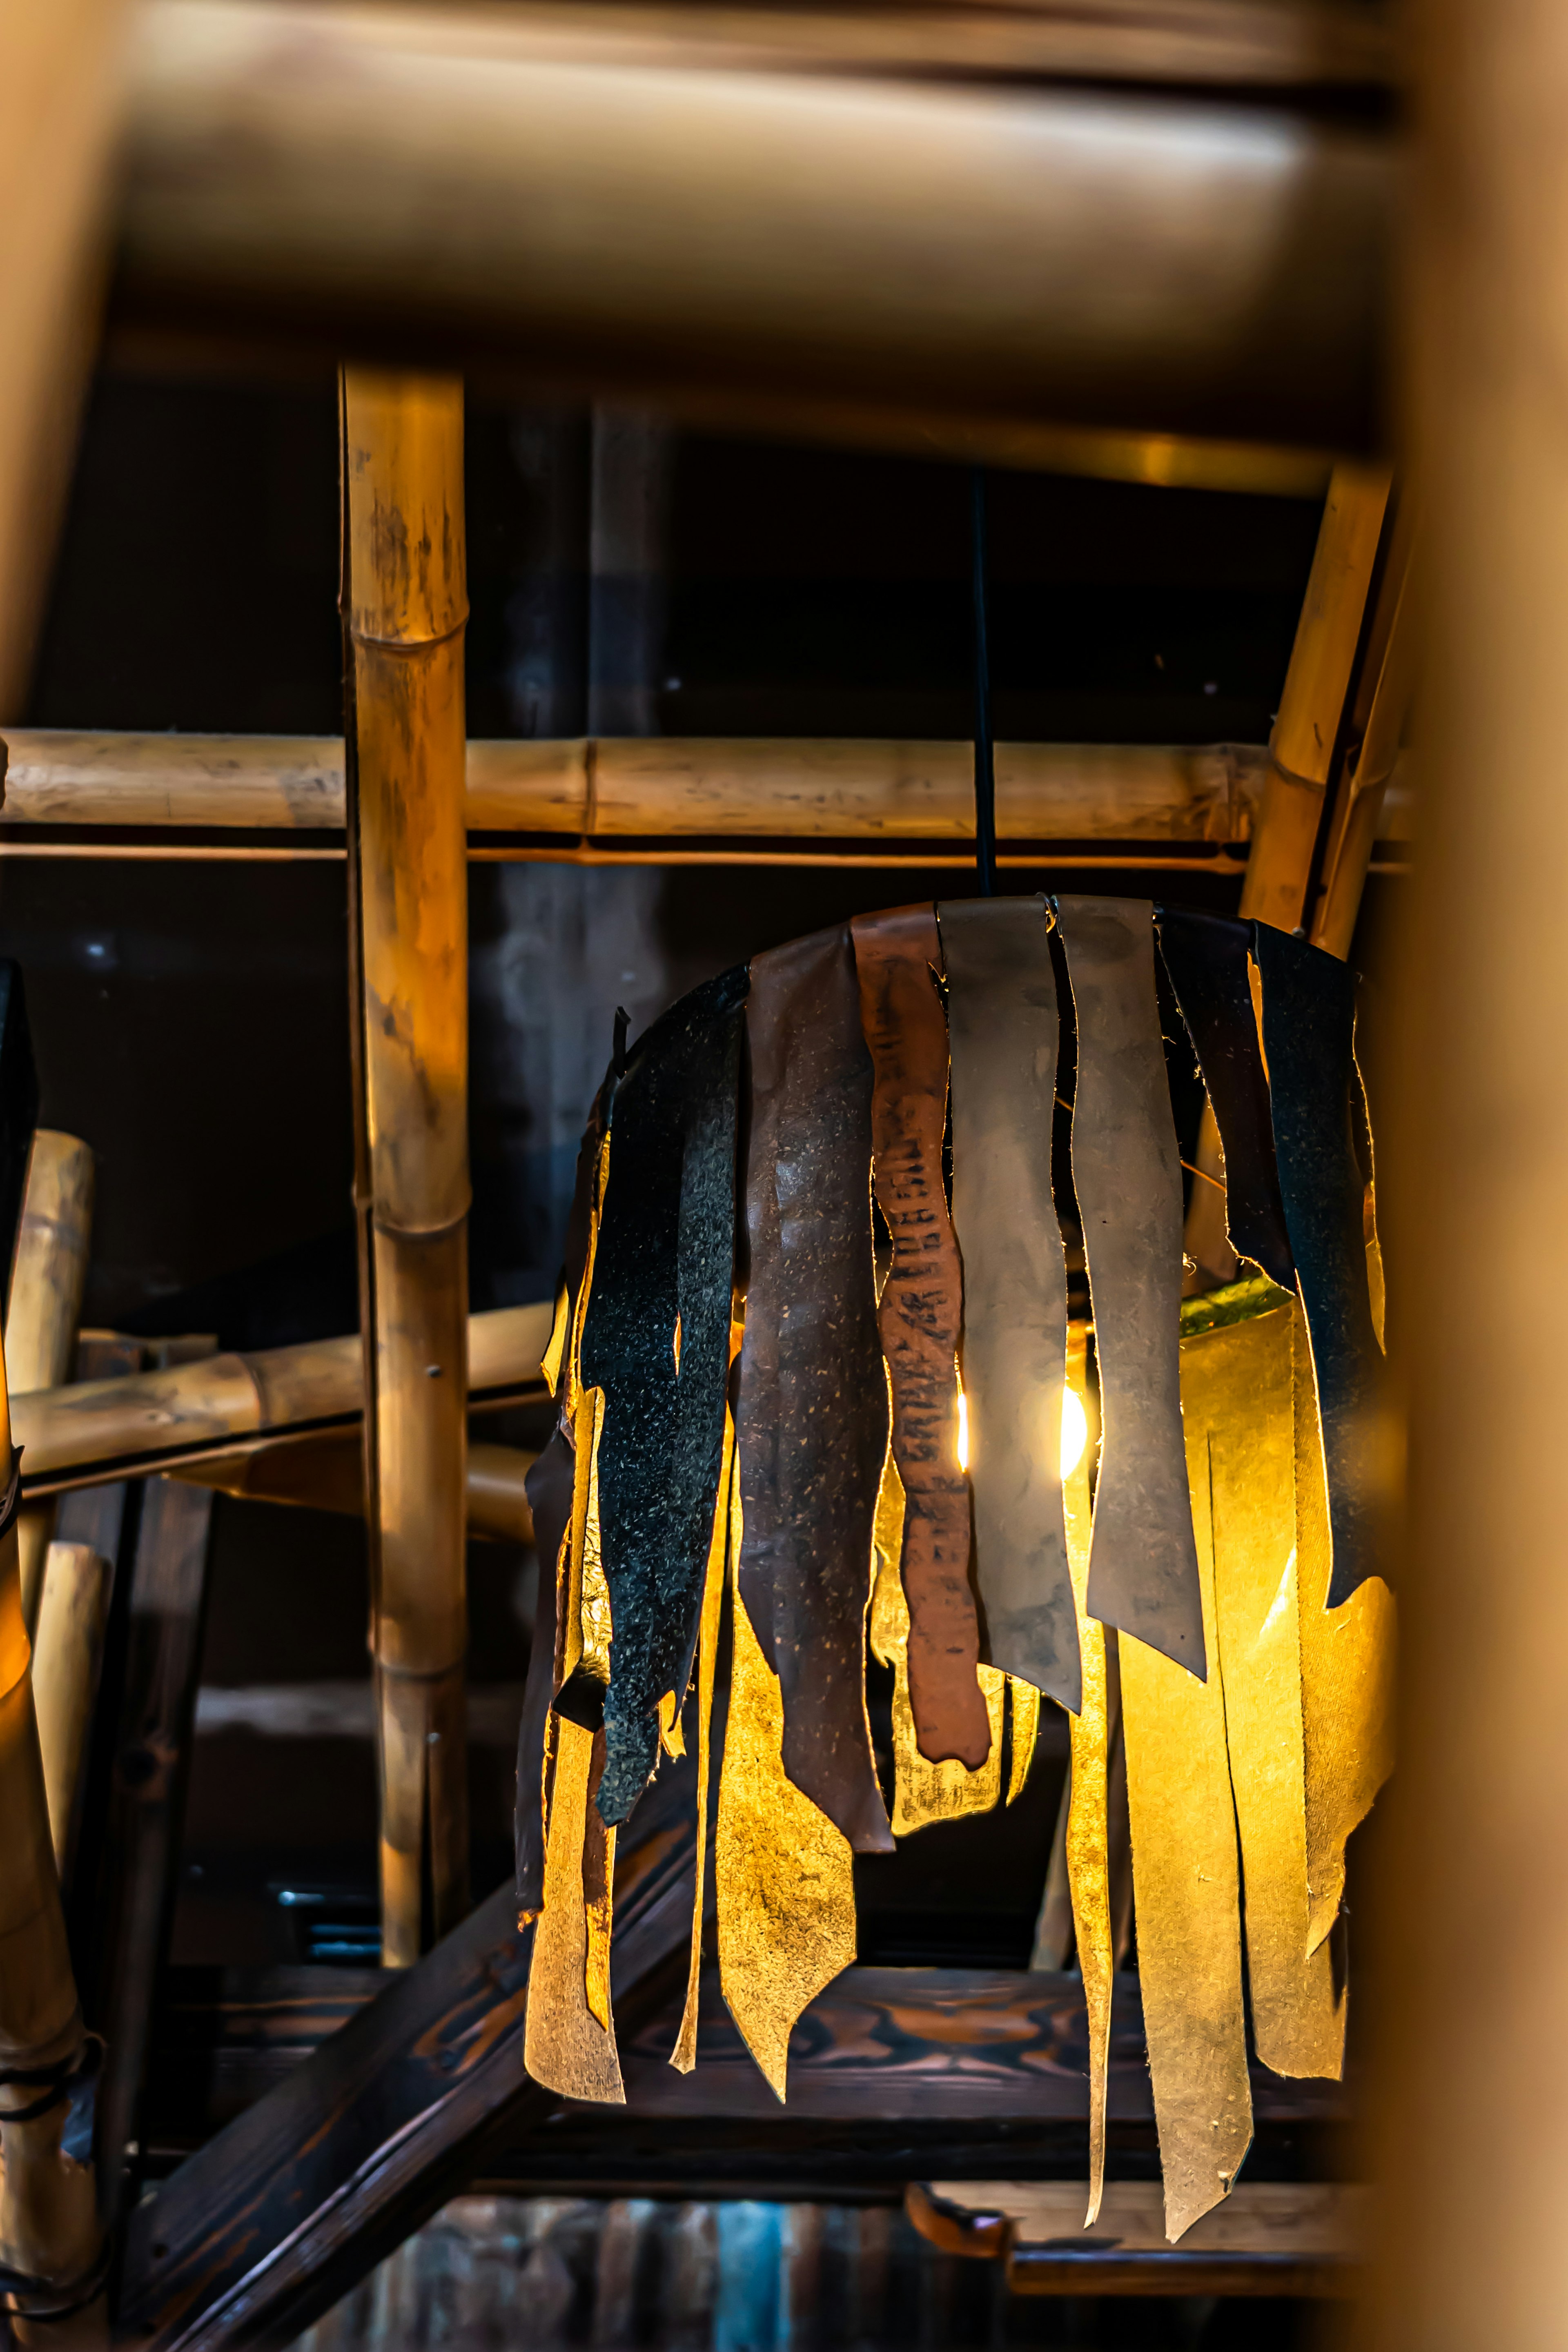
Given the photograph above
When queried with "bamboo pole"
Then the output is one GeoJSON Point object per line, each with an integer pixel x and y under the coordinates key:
{"type": "Point", "coordinates": [1474, 2162]}
{"type": "Point", "coordinates": [405, 606]}
{"type": "Point", "coordinates": [60, 76]}
{"type": "Point", "coordinates": [326, 1473]}
{"type": "Point", "coordinates": [617, 788]}
{"type": "Point", "coordinates": [47, 1277]}
{"type": "Point", "coordinates": [1382, 699]}
{"type": "Point", "coordinates": [66, 1652]}
{"type": "Point", "coordinates": [1011, 255]}
{"type": "Point", "coordinates": [1307, 733]}
{"type": "Point", "coordinates": [48, 2216]}
{"type": "Point", "coordinates": [131, 1425]}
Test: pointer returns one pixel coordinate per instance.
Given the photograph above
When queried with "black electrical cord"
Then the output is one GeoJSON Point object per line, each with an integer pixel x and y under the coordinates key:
{"type": "Point", "coordinates": [984, 751]}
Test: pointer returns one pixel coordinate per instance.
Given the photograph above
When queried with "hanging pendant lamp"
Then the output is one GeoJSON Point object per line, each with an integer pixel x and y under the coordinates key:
{"type": "Point", "coordinates": [818, 1389]}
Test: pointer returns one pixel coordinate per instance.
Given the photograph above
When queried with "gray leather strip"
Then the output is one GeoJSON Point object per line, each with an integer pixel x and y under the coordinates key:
{"type": "Point", "coordinates": [1003, 1033]}
{"type": "Point", "coordinates": [811, 1413]}
{"type": "Point", "coordinates": [1143, 1563]}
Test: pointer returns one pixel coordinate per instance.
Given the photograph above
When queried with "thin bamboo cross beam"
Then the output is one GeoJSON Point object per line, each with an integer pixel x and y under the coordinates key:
{"type": "Point", "coordinates": [667, 798]}
{"type": "Point", "coordinates": [405, 610]}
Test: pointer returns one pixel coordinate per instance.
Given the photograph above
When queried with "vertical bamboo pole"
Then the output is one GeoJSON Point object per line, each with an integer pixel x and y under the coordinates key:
{"type": "Point", "coordinates": [60, 70]}
{"type": "Point", "coordinates": [49, 2214]}
{"type": "Point", "coordinates": [404, 610]}
{"type": "Point", "coordinates": [66, 1655]}
{"type": "Point", "coordinates": [46, 1283]}
{"type": "Point", "coordinates": [1300, 758]}
{"type": "Point", "coordinates": [1306, 730]}
{"type": "Point", "coordinates": [1476, 2156]}
{"type": "Point", "coordinates": [1383, 695]}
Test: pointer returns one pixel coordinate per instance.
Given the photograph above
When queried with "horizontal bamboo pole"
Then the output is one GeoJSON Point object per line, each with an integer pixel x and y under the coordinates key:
{"type": "Point", "coordinates": [1000, 255]}
{"type": "Point", "coordinates": [1276, 45]}
{"type": "Point", "coordinates": [324, 1472]}
{"type": "Point", "coordinates": [141, 1421]}
{"type": "Point", "coordinates": [668, 788]}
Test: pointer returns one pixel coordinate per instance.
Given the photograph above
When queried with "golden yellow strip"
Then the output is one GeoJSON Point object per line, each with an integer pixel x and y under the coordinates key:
{"type": "Point", "coordinates": [923, 1793]}
{"type": "Point", "coordinates": [565, 2046]}
{"type": "Point", "coordinates": [598, 1912]}
{"type": "Point", "coordinates": [1237, 1384]}
{"type": "Point", "coordinates": [785, 1876]}
{"type": "Point", "coordinates": [683, 2057]}
{"type": "Point", "coordinates": [1186, 1894]}
{"type": "Point", "coordinates": [1347, 1674]}
{"type": "Point", "coordinates": [671, 1737]}
{"type": "Point", "coordinates": [1088, 1833]}
{"type": "Point", "coordinates": [554, 1355]}
{"type": "Point", "coordinates": [1024, 1701]}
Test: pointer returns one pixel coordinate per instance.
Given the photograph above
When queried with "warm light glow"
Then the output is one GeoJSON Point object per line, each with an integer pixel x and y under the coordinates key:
{"type": "Point", "coordinates": [1075, 1430]}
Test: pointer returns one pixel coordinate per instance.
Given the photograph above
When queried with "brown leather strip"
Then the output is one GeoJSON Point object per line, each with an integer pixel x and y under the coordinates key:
{"type": "Point", "coordinates": [898, 956]}
{"type": "Point", "coordinates": [1143, 1562]}
{"type": "Point", "coordinates": [811, 1410]}
{"type": "Point", "coordinates": [1004, 1030]}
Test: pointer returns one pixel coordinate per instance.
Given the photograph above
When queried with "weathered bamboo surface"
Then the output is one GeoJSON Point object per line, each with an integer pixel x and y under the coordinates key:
{"type": "Point", "coordinates": [405, 606]}
{"type": "Point", "coordinates": [618, 788]}
{"type": "Point", "coordinates": [997, 255]}
{"type": "Point", "coordinates": [143, 1421]}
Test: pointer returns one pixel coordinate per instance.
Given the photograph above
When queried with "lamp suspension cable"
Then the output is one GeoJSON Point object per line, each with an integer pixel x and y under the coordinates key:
{"type": "Point", "coordinates": [985, 750]}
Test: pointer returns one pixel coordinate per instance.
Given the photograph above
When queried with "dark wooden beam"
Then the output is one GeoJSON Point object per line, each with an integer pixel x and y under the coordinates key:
{"type": "Point", "coordinates": [961, 2047]}
{"type": "Point", "coordinates": [289, 2206]}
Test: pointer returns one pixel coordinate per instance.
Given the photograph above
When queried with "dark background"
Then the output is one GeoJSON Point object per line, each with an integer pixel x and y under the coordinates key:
{"type": "Point", "coordinates": [191, 1018]}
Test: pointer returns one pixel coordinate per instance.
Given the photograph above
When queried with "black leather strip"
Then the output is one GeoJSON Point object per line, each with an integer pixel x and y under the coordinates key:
{"type": "Point", "coordinates": [1143, 1562]}
{"type": "Point", "coordinates": [1206, 957]}
{"type": "Point", "coordinates": [1004, 1029]}
{"type": "Point", "coordinates": [664, 1265]}
{"type": "Point", "coordinates": [549, 1489]}
{"type": "Point", "coordinates": [810, 1415]}
{"type": "Point", "coordinates": [1309, 1030]}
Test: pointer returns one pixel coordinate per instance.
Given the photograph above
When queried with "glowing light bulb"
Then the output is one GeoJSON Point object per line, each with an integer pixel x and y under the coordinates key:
{"type": "Point", "coordinates": [1075, 1430]}
{"type": "Point", "coordinates": [962, 1431]}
